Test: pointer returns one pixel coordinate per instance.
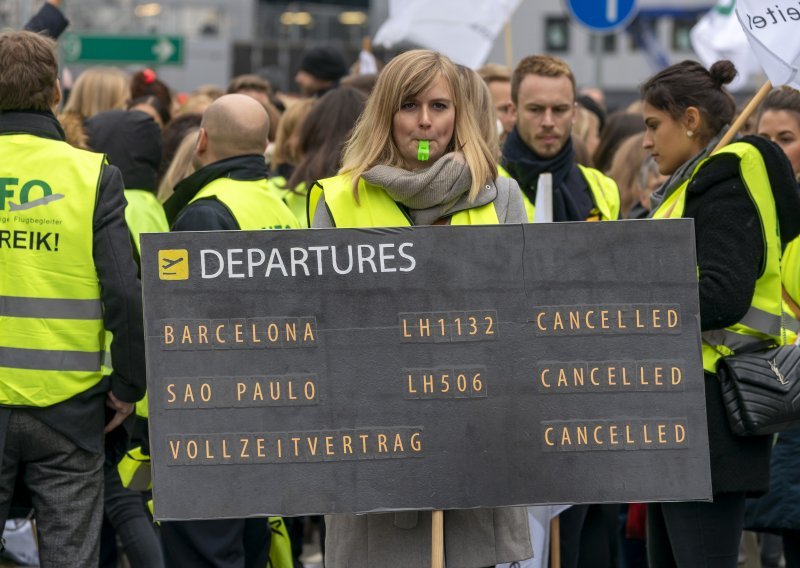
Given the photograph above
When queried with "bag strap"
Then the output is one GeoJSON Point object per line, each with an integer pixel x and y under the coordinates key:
{"type": "Point", "coordinates": [790, 301]}
{"type": "Point", "coordinates": [756, 347]}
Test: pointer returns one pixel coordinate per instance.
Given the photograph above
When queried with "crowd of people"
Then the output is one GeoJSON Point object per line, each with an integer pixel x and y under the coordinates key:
{"type": "Point", "coordinates": [422, 142]}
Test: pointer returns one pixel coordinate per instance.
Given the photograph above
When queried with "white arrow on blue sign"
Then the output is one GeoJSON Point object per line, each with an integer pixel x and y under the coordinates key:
{"type": "Point", "coordinates": [602, 15]}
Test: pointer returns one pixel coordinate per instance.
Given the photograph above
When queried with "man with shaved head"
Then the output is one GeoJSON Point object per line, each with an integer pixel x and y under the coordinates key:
{"type": "Point", "coordinates": [228, 191]}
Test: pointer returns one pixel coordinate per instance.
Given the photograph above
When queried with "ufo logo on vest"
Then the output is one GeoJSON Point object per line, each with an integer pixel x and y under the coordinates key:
{"type": "Point", "coordinates": [173, 264]}
{"type": "Point", "coordinates": [26, 200]}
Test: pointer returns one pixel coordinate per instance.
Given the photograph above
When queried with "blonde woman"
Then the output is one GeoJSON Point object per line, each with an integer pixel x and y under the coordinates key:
{"type": "Point", "coordinates": [383, 182]}
{"type": "Point", "coordinates": [418, 98]}
{"type": "Point", "coordinates": [96, 90]}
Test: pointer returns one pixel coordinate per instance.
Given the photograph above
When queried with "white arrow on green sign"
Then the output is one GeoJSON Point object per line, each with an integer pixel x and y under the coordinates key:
{"type": "Point", "coordinates": [160, 50]}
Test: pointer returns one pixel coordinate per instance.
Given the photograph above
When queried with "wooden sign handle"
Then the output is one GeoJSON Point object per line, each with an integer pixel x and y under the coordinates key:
{"type": "Point", "coordinates": [748, 110]}
{"type": "Point", "coordinates": [555, 542]}
{"type": "Point", "coordinates": [437, 541]}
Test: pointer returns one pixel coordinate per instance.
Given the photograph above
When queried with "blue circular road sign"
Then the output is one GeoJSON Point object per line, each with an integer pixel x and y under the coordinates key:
{"type": "Point", "coordinates": [602, 15]}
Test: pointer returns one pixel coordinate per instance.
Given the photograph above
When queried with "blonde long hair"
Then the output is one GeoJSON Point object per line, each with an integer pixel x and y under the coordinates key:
{"type": "Point", "coordinates": [404, 77]}
{"type": "Point", "coordinates": [181, 166]}
{"type": "Point", "coordinates": [480, 97]}
{"type": "Point", "coordinates": [97, 90]}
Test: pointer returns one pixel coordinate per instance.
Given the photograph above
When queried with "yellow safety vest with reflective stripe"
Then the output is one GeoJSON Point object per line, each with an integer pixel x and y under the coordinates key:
{"type": "Point", "coordinates": [605, 195]}
{"type": "Point", "coordinates": [763, 319]}
{"type": "Point", "coordinates": [51, 338]}
{"type": "Point", "coordinates": [252, 203]}
{"type": "Point", "coordinates": [375, 208]}
{"type": "Point", "coordinates": [144, 214]}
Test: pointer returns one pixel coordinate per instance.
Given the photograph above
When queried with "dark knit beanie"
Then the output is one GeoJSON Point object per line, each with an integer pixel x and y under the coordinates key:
{"type": "Point", "coordinates": [324, 62]}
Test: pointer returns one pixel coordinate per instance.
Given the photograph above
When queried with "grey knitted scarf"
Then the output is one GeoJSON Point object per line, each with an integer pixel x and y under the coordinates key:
{"type": "Point", "coordinates": [433, 192]}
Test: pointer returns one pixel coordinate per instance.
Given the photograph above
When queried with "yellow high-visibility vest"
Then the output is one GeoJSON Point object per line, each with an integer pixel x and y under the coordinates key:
{"type": "Point", "coordinates": [375, 208]}
{"type": "Point", "coordinates": [51, 345]}
{"type": "Point", "coordinates": [294, 198]}
{"type": "Point", "coordinates": [144, 214]}
{"type": "Point", "coordinates": [253, 204]}
{"type": "Point", "coordinates": [605, 195]}
{"type": "Point", "coordinates": [763, 320]}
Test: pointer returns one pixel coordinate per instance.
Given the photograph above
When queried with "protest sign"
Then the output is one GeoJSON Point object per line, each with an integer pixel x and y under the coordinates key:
{"type": "Point", "coordinates": [343, 371]}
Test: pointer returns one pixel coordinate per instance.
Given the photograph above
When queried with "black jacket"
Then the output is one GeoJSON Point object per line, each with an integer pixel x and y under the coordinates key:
{"type": "Point", "coordinates": [81, 418]}
{"type": "Point", "coordinates": [49, 20]}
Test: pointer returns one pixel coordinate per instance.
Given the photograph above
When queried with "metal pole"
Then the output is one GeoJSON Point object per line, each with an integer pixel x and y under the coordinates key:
{"type": "Point", "coordinates": [24, 12]}
{"type": "Point", "coordinates": [597, 39]}
{"type": "Point", "coordinates": [509, 45]}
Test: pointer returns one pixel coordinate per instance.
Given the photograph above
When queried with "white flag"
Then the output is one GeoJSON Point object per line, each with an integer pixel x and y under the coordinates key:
{"type": "Point", "coordinates": [544, 199]}
{"type": "Point", "coordinates": [464, 30]}
{"type": "Point", "coordinates": [367, 64]}
{"type": "Point", "coordinates": [773, 29]}
{"type": "Point", "coordinates": [539, 518]}
{"type": "Point", "coordinates": [718, 36]}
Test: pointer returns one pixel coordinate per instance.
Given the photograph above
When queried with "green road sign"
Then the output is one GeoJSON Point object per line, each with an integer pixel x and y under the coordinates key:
{"type": "Point", "coordinates": [160, 50]}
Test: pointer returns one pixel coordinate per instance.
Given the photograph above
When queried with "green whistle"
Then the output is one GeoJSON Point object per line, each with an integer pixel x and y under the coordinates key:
{"type": "Point", "coordinates": [423, 151]}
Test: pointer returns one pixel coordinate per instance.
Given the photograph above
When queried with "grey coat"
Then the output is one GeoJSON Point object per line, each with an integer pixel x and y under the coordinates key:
{"type": "Point", "coordinates": [473, 538]}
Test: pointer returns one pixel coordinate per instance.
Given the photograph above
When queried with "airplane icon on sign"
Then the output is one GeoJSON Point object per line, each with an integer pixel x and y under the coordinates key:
{"type": "Point", "coordinates": [169, 263]}
{"type": "Point", "coordinates": [173, 264]}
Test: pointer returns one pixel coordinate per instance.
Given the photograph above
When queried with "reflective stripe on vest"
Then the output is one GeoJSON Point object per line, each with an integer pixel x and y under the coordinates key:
{"type": "Point", "coordinates": [376, 209]}
{"type": "Point", "coordinates": [144, 214]}
{"type": "Point", "coordinates": [253, 204]}
{"type": "Point", "coordinates": [51, 344]}
{"type": "Point", "coordinates": [763, 320]}
{"type": "Point", "coordinates": [605, 195]}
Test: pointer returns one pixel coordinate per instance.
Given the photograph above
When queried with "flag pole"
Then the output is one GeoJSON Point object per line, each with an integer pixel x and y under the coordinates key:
{"type": "Point", "coordinates": [555, 542]}
{"type": "Point", "coordinates": [746, 113]}
{"type": "Point", "coordinates": [437, 539]}
{"type": "Point", "coordinates": [509, 48]}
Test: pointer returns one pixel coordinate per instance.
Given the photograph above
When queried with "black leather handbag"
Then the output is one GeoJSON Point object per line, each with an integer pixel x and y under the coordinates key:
{"type": "Point", "coordinates": [761, 389]}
